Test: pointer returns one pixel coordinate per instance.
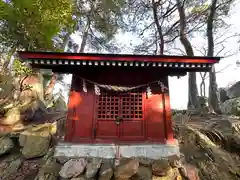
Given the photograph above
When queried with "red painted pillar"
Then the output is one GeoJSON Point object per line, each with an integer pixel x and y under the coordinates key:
{"type": "Point", "coordinates": [155, 123]}
{"type": "Point", "coordinates": [68, 126]}
{"type": "Point", "coordinates": [74, 100]}
{"type": "Point", "coordinates": [168, 116]}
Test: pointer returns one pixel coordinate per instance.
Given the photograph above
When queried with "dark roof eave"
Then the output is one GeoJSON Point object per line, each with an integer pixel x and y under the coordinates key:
{"type": "Point", "coordinates": [26, 54]}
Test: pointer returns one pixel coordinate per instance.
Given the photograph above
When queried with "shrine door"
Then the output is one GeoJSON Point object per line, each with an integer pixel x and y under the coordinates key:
{"type": "Point", "coordinates": [119, 116]}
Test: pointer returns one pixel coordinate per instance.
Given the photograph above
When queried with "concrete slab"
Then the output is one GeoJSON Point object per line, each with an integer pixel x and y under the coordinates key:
{"type": "Point", "coordinates": [109, 151]}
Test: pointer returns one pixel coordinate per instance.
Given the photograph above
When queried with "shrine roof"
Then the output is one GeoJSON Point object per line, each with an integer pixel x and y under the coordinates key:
{"type": "Point", "coordinates": [48, 59]}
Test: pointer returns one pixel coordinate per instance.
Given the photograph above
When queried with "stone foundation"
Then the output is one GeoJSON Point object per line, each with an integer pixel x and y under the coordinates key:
{"type": "Point", "coordinates": [105, 169]}
{"type": "Point", "coordinates": [151, 151]}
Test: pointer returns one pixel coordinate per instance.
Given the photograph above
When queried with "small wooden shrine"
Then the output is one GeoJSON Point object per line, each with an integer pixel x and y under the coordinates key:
{"type": "Point", "coordinates": [118, 99]}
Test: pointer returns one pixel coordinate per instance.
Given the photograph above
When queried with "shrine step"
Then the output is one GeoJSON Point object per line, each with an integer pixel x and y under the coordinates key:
{"type": "Point", "coordinates": [109, 151]}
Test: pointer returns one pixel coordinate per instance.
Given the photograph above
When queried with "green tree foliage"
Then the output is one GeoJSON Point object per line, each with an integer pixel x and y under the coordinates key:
{"type": "Point", "coordinates": [98, 22]}
{"type": "Point", "coordinates": [21, 70]}
{"type": "Point", "coordinates": [32, 24]}
{"type": "Point", "coordinates": [142, 21]}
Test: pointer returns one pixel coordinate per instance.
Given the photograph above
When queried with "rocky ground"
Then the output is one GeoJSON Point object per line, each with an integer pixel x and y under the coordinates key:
{"type": "Point", "coordinates": [28, 154]}
{"type": "Point", "coordinates": [209, 150]}
{"type": "Point", "coordinates": [211, 144]}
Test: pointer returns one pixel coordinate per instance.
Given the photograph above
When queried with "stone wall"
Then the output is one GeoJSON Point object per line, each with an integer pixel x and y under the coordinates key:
{"type": "Point", "coordinates": [31, 154]}
{"type": "Point", "coordinates": [105, 169]}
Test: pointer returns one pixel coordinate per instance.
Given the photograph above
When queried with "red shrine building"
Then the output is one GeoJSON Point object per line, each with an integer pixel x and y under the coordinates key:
{"type": "Point", "coordinates": [118, 100]}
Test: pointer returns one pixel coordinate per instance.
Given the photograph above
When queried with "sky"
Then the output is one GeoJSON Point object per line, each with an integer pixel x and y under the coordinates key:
{"type": "Point", "coordinates": [229, 72]}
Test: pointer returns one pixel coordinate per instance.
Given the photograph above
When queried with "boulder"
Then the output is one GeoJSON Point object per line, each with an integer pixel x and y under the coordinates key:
{"type": "Point", "coordinates": [144, 173]}
{"type": "Point", "coordinates": [236, 141]}
{"type": "Point", "coordinates": [79, 178]}
{"type": "Point", "coordinates": [6, 86]}
{"type": "Point", "coordinates": [234, 90]}
{"type": "Point", "coordinates": [222, 95]}
{"type": "Point", "coordinates": [189, 172]}
{"type": "Point", "coordinates": [106, 171]}
{"type": "Point", "coordinates": [60, 104]}
{"type": "Point", "coordinates": [49, 167]}
{"type": "Point", "coordinates": [93, 167]}
{"type": "Point", "coordinates": [106, 174]}
{"type": "Point", "coordinates": [173, 174]}
{"type": "Point", "coordinates": [6, 144]}
{"type": "Point", "coordinates": [235, 127]}
{"type": "Point", "coordinates": [233, 142]}
{"type": "Point", "coordinates": [35, 141]}
{"type": "Point", "coordinates": [73, 168]}
{"type": "Point", "coordinates": [62, 159]}
{"type": "Point", "coordinates": [145, 161]}
{"type": "Point", "coordinates": [5, 129]}
{"type": "Point", "coordinates": [126, 170]}
{"type": "Point", "coordinates": [35, 111]}
{"type": "Point", "coordinates": [49, 171]}
{"type": "Point", "coordinates": [174, 161]}
{"type": "Point", "coordinates": [36, 84]}
{"type": "Point", "coordinates": [231, 106]}
{"type": "Point", "coordinates": [13, 116]}
{"type": "Point", "coordinates": [18, 127]}
{"type": "Point", "coordinates": [13, 163]}
{"type": "Point", "coordinates": [61, 126]}
{"type": "Point", "coordinates": [161, 167]}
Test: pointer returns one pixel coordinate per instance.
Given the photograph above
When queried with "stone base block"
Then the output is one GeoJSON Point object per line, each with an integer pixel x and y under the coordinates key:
{"type": "Point", "coordinates": [109, 151]}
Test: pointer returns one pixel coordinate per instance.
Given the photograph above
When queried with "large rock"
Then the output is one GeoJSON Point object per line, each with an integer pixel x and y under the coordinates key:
{"type": "Point", "coordinates": [144, 173]}
{"type": "Point", "coordinates": [106, 171]}
{"type": "Point", "coordinates": [235, 127]}
{"type": "Point", "coordinates": [49, 171]}
{"type": "Point", "coordinates": [145, 161]}
{"type": "Point", "coordinates": [233, 142]}
{"type": "Point", "coordinates": [49, 167]}
{"type": "Point", "coordinates": [73, 168]}
{"type": "Point", "coordinates": [13, 116]}
{"type": "Point", "coordinates": [6, 86]}
{"type": "Point", "coordinates": [126, 170]}
{"type": "Point", "coordinates": [93, 167]}
{"type": "Point", "coordinates": [62, 159]}
{"type": "Point", "coordinates": [223, 95]}
{"type": "Point", "coordinates": [174, 161]}
{"type": "Point", "coordinates": [161, 167]}
{"type": "Point", "coordinates": [234, 90]}
{"type": "Point", "coordinates": [36, 83]}
{"type": "Point", "coordinates": [35, 111]}
{"type": "Point", "coordinates": [231, 106]}
{"type": "Point", "coordinates": [106, 174]}
{"type": "Point", "coordinates": [60, 104]}
{"type": "Point", "coordinates": [80, 178]}
{"type": "Point", "coordinates": [173, 174]}
{"type": "Point", "coordinates": [6, 144]}
{"type": "Point", "coordinates": [13, 164]}
{"type": "Point", "coordinates": [35, 141]}
{"type": "Point", "coordinates": [189, 172]}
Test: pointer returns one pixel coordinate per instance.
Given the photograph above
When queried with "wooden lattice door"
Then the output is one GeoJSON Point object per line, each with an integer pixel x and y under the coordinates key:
{"type": "Point", "coordinates": [119, 116]}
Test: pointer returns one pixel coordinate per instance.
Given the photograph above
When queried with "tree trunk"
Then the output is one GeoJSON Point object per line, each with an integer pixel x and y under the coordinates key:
{"type": "Point", "coordinates": [213, 99]}
{"type": "Point", "coordinates": [159, 28]}
{"type": "Point", "coordinates": [66, 41]}
{"type": "Point", "coordinates": [84, 37]}
{"type": "Point", "coordinates": [10, 61]}
{"type": "Point", "coordinates": [192, 82]}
